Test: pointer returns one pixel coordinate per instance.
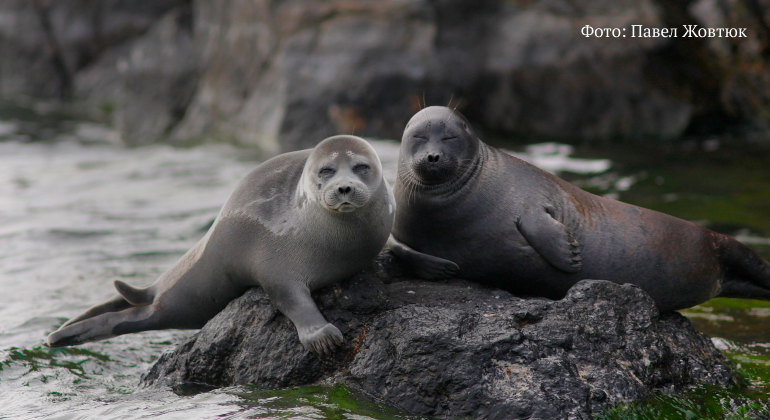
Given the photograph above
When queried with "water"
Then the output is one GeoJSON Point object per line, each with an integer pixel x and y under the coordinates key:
{"type": "Point", "coordinates": [77, 210]}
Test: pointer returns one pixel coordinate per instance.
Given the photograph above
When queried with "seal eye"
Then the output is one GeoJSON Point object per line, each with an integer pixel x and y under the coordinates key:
{"type": "Point", "coordinates": [361, 169]}
{"type": "Point", "coordinates": [449, 138]}
{"type": "Point", "coordinates": [420, 137]}
{"type": "Point", "coordinates": [326, 172]}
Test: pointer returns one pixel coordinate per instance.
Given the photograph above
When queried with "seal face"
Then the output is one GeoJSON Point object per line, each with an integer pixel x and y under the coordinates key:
{"type": "Point", "coordinates": [299, 222]}
{"type": "Point", "coordinates": [344, 180]}
{"type": "Point", "coordinates": [436, 149]}
{"type": "Point", "coordinates": [466, 209]}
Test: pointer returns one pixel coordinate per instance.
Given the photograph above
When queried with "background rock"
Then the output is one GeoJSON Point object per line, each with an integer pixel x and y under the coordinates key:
{"type": "Point", "coordinates": [458, 349]}
{"type": "Point", "coordinates": [280, 76]}
{"type": "Point", "coordinates": [45, 43]}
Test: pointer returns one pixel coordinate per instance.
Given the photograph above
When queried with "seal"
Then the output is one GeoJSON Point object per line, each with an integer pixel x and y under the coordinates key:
{"type": "Point", "coordinates": [298, 222]}
{"type": "Point", "coordinates": [468, 210]}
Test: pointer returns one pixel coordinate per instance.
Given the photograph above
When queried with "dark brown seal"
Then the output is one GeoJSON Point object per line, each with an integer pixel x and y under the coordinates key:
{"type": "Point", "coordinates": [468, 210]}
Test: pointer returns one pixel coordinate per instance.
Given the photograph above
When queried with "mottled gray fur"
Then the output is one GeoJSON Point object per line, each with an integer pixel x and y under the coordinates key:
{"type": "Point", "coordinates": [299, 222]}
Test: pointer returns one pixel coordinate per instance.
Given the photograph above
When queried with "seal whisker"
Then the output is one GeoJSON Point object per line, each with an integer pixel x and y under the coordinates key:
{"type": "Point", "coordinates": [446, 120]}
{"type": "Point", "coordinates": [453, 109]}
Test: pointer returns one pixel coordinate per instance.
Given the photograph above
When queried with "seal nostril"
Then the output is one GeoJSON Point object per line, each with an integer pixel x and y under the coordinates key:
{"type": "Point", "coordinates": [433, 158]}
{"type": "Point", "coordinates": [344, 190]}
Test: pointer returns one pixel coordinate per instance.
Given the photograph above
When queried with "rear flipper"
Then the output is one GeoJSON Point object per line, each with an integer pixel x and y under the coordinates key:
{"type": "Point", "coordinates": [114, 304]}
{"type": "Point", "coordinates": [106, 325]}
{"type": "Point", "coordinates": [423, 265]}
{"type": "Point", "coordinates": [129, 297]}
{"type": "Point", "coordinates": [747, 275]}
{"type": "Point", "coordinates": [743, 290]}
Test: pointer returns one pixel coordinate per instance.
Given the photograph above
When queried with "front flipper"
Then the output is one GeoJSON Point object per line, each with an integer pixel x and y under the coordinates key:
{"type": "Point", "coordinates": [293, 299]}
{"type": "Point", "coordinates": [551, 240]}
{"type": "Point", "coordinates": [423, 265]}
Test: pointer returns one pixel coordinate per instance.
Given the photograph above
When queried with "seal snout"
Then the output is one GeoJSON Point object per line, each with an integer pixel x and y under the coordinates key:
{"type": "Point", "coordinates": [433, 166]}
{"type": "Point", "coordinates": [431, 161]}
{"type": "Point", "coordinates": [345, 197]}
{"type": "Point", "coordinates": [344, 193]}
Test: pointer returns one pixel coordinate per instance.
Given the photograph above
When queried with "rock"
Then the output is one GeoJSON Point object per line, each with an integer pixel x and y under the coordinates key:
{"type": "Point", "coordinates": [157, 80]}
{"type": "Point", "coordinates": [458, 349]}
{"type": "Point", "coordinates": [282, 76]}
{"type": "Point", "coordinates": [312, 69]}
{"type": "Point", "coordinates": [45, 43]}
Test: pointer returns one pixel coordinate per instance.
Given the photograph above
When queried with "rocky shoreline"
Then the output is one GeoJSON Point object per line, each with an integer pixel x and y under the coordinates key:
{"type": "Point", "coordinates": [458, 349]}
{"type": "Point", "coordinates": [281, 76]}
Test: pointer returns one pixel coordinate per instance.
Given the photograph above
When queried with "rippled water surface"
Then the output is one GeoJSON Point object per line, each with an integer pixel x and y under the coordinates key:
{"type": "Point", "coordinates": [77, 210]}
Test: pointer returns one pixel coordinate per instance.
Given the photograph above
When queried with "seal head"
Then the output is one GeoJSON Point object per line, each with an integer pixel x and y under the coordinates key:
{"type": "Point", "coordinates": [341, 174]}
{"type": "Point", "coordinates": [438, 147]}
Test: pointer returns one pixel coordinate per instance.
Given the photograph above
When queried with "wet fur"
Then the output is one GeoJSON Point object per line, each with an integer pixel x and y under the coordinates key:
{"type": "Point", "coordinates": [274, 231]}
{"type": "Point", "coordinates": [513, 226]}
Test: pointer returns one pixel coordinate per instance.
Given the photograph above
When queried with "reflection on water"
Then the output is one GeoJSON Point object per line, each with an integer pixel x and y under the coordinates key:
{"type": "Point", "coordinates": [77, 210]}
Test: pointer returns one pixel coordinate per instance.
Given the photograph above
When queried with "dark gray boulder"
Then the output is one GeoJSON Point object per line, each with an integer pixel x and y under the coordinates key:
{"type": "Point", "coordinates": [458, 349]}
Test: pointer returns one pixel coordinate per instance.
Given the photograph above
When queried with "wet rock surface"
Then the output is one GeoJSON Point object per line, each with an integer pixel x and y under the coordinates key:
{"type": "Point", "coordinates": [458, 349]}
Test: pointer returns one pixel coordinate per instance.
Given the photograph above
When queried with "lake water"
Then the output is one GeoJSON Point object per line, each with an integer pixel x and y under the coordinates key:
{"type": "Point", "coordinates": [78, 210]}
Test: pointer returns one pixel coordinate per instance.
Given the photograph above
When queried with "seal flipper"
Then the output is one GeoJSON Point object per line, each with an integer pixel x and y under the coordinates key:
{"type": "Point", "coordinates": [135, 296]}
{"type": "Point", "coordinates": [551, 240]}
{"type": "Point", "coordinates": [104, 326]}
{"type": "Point", "coordinates": [293, 299]}
{"type": "Point", "coordinates": [114, 304]}
{"type": "Point", "coordinates": [423, 265]}
{"type": "Point", "coordinates": [129, 296]}
{"type": "Point", "coordinates": [747, 275]}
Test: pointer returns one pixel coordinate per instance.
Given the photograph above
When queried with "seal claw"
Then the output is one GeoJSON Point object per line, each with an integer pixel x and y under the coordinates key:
{"type": "Point", "coordinates": [322, 340]}
{"type": "Point", "coordinates": [429, 267]}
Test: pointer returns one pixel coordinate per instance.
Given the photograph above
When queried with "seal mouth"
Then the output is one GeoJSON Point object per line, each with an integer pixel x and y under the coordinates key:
{"type": "Point", "coordinates": [345, 207]}
{"type": "Point", "coordinates": [432, 175]}
{"type": "Point", "coordinates": [414, 175]}
{"type": "Point", "coordinates": [347, 202]}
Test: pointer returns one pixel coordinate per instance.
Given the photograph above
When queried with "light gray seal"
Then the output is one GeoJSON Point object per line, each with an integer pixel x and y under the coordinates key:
{"type": "Point", "coordinates": [468, 210]}
{"type": "Point", "coordinates": [299, 222]}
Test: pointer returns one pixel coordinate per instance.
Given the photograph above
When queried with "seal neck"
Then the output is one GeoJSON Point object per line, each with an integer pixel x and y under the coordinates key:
{"type": "Point", "coordinates": [455, 187]}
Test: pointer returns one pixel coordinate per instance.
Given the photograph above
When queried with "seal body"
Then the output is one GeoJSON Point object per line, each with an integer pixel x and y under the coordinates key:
{"type": "Point", "coordinates": [468, 210]}
{"type": "Point", "coordinates": [299, 222]}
